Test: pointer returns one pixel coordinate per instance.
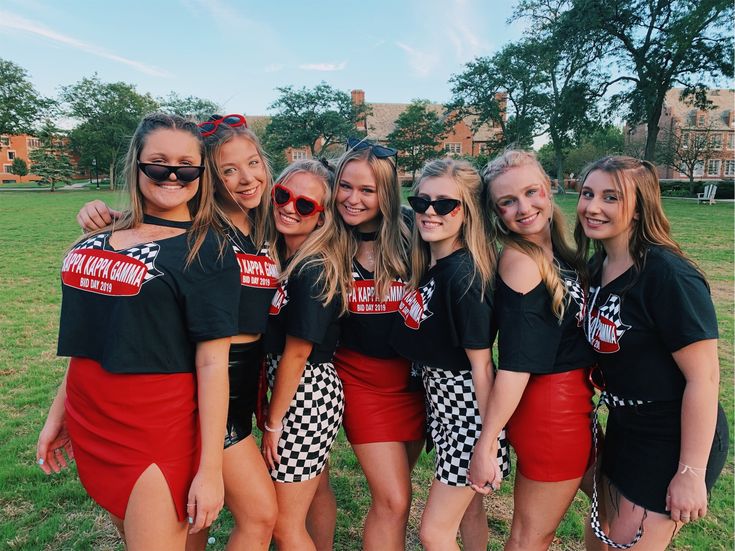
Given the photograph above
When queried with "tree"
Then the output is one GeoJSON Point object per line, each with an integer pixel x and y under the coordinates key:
{"type": "Point", "coordinates": [657, 45]}
{"type": "Point", "coordinates": [605, 140]}
{"type": "Point", "coordinates": [501, 91]}
{"type": "Point", "coordinates": [192, 107]}
{"type": "Point", "coordinates": [49, 161]}
{"type": "Point", "coordinates": [688, 151]}
{"type": "Point", "coordinates": [316, 118]}
{"type": "Point", "coordinates": [109, 114]}
{"type": "Point", "coordinates": [417, 134]}
{"type": "Point", "coordinates": [19, 168]}
{"type": "Point", "coordinates": [21, 105]}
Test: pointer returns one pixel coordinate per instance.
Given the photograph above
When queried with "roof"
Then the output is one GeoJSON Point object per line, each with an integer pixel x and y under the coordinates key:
{"type": "Point", "coordinates": [723, 101]}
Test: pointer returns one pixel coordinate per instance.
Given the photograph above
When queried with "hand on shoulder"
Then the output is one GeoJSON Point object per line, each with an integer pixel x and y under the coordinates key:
{"type": "Point", "coordinates": [518, 270]}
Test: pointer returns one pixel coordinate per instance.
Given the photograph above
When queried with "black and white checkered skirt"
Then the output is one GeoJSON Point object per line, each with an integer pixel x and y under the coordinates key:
{"type": "Point", "coordinates": [454, 424]}
{"type": "Point", "coordinates": [311, 423]}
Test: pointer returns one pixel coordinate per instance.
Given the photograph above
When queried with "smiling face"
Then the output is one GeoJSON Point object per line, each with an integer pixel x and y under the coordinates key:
{"type": "Point", "coordinates": [243, 175]}
{"type": "Point", "coordinates": [294, 227]}
{"type": "Point", "coordinates": [522, 200]}
{"type": "Point", "coordinates": [605, 212]}
{"type": "Point", "coordinates": [168, 199]}
{"type": "Point", "coordinates": [440, 232]}
{"type": "Point", "coordinates": [357, 196]}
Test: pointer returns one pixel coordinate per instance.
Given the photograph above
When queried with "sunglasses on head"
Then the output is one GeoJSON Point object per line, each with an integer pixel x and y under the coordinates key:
{"type": "Point", "coordinates": [441, 206]}
{"type": "Point", "coordinates": [208, 128]}
{"type": "Point", "coordinates": [161, 173]}
{"type": "Point", "coordinates": [305, 206]}
{"type": "Point", "coordinates": [380, 151]}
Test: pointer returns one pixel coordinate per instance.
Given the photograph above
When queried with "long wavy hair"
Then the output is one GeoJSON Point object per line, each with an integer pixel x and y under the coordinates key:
{"type": "Point", "coordinates": [650, 227]}
{"type": "Point", "coordinates": [322, 247]}
{"type": "Point", "coordinates": [550, 274]}
{"type": "Point", "coordinates": [475, 233]}
{"type": "Point", "coordinates": [201, 206]}
{"type": "Point", "coordinates": [261, 221]}
{"type": "Point", "coordinates": [392, 243]}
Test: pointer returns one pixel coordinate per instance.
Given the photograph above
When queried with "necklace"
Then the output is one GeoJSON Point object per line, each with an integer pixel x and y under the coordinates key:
{"type": "Point", "coordinates": [366, 236]}
{"type": "Point", "coordinates": [155, 221]}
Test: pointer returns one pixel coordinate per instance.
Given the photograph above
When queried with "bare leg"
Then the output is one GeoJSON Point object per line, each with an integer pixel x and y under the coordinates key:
{"type": "Point", "coordinates": [294, 499]}
{"type": "Point", "coordinates": [538, 510]}
{"type": "Point", "coordinates": [442, 515]}
{"type": "Point", "coordinates": [322, 517]}
{"type": "Point", "coordinates": [150, 519]}
{"type": "Point", "coordinates": [473, 527]}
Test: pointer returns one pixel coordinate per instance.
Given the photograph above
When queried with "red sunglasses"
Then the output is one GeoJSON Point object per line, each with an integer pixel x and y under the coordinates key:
{"type": "Point", "coordinates": [208, 128]}
{"type": "Point", "coordinates": [305, 206]}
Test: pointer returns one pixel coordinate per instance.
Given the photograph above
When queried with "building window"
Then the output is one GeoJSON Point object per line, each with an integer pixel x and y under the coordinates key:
{"type": "Point", "coordinates": [453, 148]}
{"type": "Point", "coordinates": [698, 169]}
{"type": "Point", "coordinates": [7, 168]}
{"type": "Point", "coordinates": [731, 140]}
{"type": "Point", "coordinates": [482, 149]}
{"type": "Point", "coordinates": [11, 155]}
{"type": "Point", "coordinates": [685, 140]}
{"type": "Point", "coordinates": [729, 168]}
{"type": "Point", "coordinates": [717, 141]}
{"type": "Point", "coordinates": [298, 155]}
{"type": "Point", "coordinates": [700, 120]}
{"type": "Point", "coordinates": [34, 142]}
{"type": "Point", "coordinates": [713, 167]}
{"type": "Point", "coordinates": [4, 140]}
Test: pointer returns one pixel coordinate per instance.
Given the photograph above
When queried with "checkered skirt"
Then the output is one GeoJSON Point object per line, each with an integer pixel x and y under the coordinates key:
{"type": "Point", "coordinates": [454, 424]}
{"type": "Point", "coordinates": [311, 422]}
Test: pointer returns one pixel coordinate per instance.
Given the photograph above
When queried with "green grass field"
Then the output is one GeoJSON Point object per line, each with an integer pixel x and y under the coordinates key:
{"type": "Point", "coordinates": [54, 513]}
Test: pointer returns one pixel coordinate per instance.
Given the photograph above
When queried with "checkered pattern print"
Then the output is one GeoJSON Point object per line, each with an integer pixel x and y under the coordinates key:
{"type": "Point", "coordinates": [145, 253]}
{"type": "Point", "coordinates": [455, 425]}
{"type": "Point", "coordinates": [311, 422]}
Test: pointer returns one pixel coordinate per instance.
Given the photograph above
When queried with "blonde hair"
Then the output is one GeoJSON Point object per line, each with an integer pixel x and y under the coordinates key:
{"type": "Point", "coordinates": [322, 247]}
{"type": "Point", "coordinates": [391, 245]}
{"type": "Point", "coordinates": [550, 275]}
{"type": "Point", "coordinates": [261, 220]}
{"type": "Point", "coordinates": [201, 206]}
{"type": "Point", "coordinates": [475, 233]}
{"type": "Point", "coordinates": [650, 227]}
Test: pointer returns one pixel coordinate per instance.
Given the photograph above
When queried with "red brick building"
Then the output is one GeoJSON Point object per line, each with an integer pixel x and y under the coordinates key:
{"type": "Point", "coordinates": [16, 147]}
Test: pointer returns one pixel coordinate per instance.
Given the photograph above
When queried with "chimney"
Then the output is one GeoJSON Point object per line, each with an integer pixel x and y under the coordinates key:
{"type": "Point", "coordinates": [358, 99]}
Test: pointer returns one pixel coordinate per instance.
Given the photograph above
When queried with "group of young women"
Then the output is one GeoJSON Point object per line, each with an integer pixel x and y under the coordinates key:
{"type": "Point", "coordinates": [362, 314]}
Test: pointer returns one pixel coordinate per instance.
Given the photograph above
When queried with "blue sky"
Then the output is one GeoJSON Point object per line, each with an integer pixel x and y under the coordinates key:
{"type": "Point", "coordinates": [237, 52]}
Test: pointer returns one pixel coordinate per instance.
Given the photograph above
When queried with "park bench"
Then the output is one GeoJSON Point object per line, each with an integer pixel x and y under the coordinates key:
{"type": "Point", "coordinates": [708, 195]}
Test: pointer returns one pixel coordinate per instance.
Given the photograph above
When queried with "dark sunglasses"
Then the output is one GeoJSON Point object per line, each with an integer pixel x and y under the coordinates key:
{"type": "Point", "coordinates": [161, 173]}
{"type": "Point", "coordinates": [208, 128]}
{"type": "Point", "coordinates": [441, 206]}
{"type": "Point", "coordinates": [305, 206]}
{"type": "Point", "coordinates": [380, 151]}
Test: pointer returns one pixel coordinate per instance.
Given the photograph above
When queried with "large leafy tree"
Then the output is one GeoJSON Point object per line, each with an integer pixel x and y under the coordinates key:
{"type": "Point", "coordinates": [316, 118]}
{"type": "Point", "coordinates": [21, 106]}
{"type": "Point", "coordinates": [108, 115]}
{"type": "Point", "coordinates": [659, 44]}
{"type": "Point", "coordinates": [199, 109]}
{"type": "Point", "coordinates": [49, 160]}
{"type": "Point", "coordinates": [417, 134]}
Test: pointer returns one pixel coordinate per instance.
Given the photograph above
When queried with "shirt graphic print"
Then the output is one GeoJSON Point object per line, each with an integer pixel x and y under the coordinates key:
{"type": "Point", "coordinates": [605, 327]}
{"type": "Point", "coordinates": [414, 307]}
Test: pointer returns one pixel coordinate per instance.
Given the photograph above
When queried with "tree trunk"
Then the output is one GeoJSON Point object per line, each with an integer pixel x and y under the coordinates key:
{"type": "Point", "coordinates": [652, 129]}
{"type": "Point", "coordinates": [560, 171]}
{"type": "Point", "coordinates": [112, 175]}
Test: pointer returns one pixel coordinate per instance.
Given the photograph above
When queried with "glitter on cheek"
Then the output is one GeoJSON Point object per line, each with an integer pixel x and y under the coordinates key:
{"type": "Point", "coordinates": [542, 193]}
{"type": "Point", "coordinates": [502, 211]}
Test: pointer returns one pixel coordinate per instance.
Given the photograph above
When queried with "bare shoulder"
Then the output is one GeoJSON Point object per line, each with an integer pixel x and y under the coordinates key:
{"type": "Point", "coordinates": [518, 270]}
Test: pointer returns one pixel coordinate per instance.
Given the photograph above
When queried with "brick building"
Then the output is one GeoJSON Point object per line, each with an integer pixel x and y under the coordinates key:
{"type": "Point", "coordinates": [12, 147]}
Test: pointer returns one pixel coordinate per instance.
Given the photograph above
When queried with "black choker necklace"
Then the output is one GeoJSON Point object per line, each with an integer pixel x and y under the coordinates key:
{"type": "Point", "coordinates": [366, 236]}
{"type": "Point", "coordinates": [155, 221]}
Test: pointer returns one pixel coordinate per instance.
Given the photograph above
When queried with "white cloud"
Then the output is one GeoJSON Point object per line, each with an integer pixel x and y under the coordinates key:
{"type": "Point", "coordinates": [11, 21]}
{"type": "Point", "coordinates": [461, 33]}
{"type": "Point", "coordinates": [273, 68]}
{"type": "Point", "coordinates": [422, 63]}
{"type": "Point", "coordinates": [326, 67]}
{"type": "Point", "coordinates": [224, 15]}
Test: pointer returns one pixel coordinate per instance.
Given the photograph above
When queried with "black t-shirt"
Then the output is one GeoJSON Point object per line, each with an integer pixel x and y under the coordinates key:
{"type": "Point", "coordinates": [258, 282]}
{"type": "Point", "coordinates": [637, 320]}
{"type": "Point", "coordinates": [367, 327]}
{"type": "Point", "coordinates": [530, 338]}
{"type": "Point", "coordinates": [443, 317]}
{"type": "Point", "coordinates": [139, 309]}
{"type": "Point", "coordinates": [297, 310]}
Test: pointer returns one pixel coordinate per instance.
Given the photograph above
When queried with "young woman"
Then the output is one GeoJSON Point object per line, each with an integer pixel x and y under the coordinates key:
{"type": "Point", "coordinates": [307, 401]}
{"type": "Point", "coordinates": [541, 392]}
{"type": "Point", "coordinates": [445, 330]}
{"type": "Point", "coordinates": [147, 318]}
{"type": "Point", "coordinates": [242, 178]}
{"type": "Point", "coordinates": [652, 322]}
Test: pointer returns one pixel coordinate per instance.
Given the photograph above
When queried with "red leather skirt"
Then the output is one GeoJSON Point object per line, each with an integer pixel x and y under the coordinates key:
{"type": "Point", "coordinates": [378, 405]}
{"type": "Point", "coordinates": [551, 429]}
{"type": "Point", "coordinates": [120, 424]}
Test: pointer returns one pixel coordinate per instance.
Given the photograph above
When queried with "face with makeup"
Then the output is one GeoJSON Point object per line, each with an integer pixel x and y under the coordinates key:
{"type": "Point", "coordinates": [522, 200]}
{"type": "Point", "coordinates": [440, 231]}
{"type": "Point", "coordinates": [357, 196]}
{"type": "Point", "coordinates": [243, 174]}
{"type": "Point", "coordinates": [605, 212]}
{"type": "Point", "coordinates": [294, 226]}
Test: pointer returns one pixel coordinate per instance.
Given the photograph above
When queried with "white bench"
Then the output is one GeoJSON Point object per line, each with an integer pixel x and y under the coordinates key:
{"type": "Point", "coordinates": [708, 195]}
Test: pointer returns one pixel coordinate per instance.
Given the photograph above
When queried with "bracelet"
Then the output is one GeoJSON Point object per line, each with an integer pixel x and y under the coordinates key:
{"type": "Point", "coordinates": [269, 429]}
{"type": "Point", "coordinates": [691, 469]}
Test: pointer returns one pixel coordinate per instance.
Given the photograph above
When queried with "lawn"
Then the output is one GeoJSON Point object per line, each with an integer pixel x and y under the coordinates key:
{"type": "Point", "coordinates": [37, 512]}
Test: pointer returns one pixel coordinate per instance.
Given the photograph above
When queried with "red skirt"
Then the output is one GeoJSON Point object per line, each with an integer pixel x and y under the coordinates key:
{"type": "Point", "coordinates": [120, 424]}
{"type": "Point", "coordinates": [551, 429]}
{"type": "Point", "coordinates": [378, 405]}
